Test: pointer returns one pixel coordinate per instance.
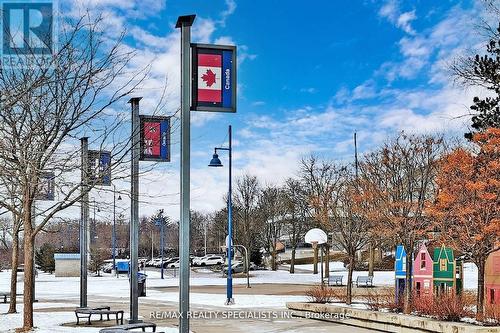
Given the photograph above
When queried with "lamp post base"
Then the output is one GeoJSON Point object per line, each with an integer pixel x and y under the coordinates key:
{"type": "Point", "coordinates": [229, 301]}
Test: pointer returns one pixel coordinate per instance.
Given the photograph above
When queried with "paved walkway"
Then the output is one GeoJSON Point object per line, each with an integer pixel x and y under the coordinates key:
{"type": "Point", "coordinates": [154, 311]}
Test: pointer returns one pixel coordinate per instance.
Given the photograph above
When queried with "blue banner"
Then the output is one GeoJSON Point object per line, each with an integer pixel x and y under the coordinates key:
{"type": "Point", "coordinates": [46, 187]}
{"type": "Point", "coordinates": [100, 167]}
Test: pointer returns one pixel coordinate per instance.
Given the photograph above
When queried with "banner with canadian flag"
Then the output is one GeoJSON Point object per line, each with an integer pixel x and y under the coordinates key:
{"type": "Point", "coordinates": [155, 138]}
{"type": "Point", "coordinates": [214, 78]}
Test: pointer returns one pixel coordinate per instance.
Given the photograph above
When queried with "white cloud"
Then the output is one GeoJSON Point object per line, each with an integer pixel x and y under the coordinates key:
{"type": "Point", "coordinates": [390, 10]}
{"type": "Point", "coordinates": [404, 21]}
{"type": "Point", "coordinates": [231, 7]}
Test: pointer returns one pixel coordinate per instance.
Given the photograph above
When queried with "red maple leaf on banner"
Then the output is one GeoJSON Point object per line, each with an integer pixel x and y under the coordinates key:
{"type": "Point", "coordinates": [209, 77]}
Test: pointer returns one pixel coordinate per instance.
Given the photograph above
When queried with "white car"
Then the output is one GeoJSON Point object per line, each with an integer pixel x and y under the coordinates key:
{"type": "Point", "coordinates": [197, 260]}
{"type": "Point", "coordinates": [212, 260]}
{"type": "Point", "coordinates": [175, 264]}
{"type": "Point", "coordinates": [157, 262]}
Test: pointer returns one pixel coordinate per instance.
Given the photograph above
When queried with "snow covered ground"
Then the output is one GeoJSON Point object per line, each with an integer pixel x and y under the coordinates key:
{"type": "Point", "coordinates": [64, 292]}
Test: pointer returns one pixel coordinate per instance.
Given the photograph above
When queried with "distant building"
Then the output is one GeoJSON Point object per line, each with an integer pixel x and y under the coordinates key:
{"type": "Point", "coordinates": [423, 272]}
{"type": "Point", "coordinates": [492, 279]}
{"type": "Point", "coordinates": [67, 264]}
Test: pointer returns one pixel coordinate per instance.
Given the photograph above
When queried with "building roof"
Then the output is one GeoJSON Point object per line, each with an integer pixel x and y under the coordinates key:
{"type": "Point", "coordinates": [67, 256]}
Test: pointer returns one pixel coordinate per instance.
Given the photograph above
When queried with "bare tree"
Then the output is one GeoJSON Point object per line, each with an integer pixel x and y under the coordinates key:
{"type": "Point", "coordinates": [396, 181]}
{"type": "Point", "coordinates": [271, 210]}
{"type": "Point", "coordinates": [246, 207]}
{"type": "Point", "coordinates": [350, 230]}
{"type": "Point", "coordinates": [320, 180]}
{"type": "Point", "coordinates": [297, 220]}
{"type": "Point", "coordinates": [43, 110]}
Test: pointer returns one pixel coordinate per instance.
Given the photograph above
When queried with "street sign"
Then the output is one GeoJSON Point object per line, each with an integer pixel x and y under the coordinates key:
{"type": "Point", "coordinates": [99, 167]}
{"type": "Point", "coordinates": [214, 78]}
{"type": "Point", "coordinates": [46, 187]}
{"type": "Point", "coordinates": [155, 138]}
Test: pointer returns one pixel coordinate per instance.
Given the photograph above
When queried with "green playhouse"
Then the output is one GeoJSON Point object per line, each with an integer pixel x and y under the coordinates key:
{"type": "Point", "coordinates": [447, 272]}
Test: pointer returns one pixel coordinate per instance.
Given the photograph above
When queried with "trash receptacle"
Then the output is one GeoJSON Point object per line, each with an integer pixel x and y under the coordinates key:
{"type": "Point", "coordinates": [141, 284]}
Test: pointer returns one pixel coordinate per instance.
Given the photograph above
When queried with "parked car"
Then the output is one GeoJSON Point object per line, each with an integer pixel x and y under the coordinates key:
{"type": "Point", "coordinates": [107, 268]}
{"type": "Point", "coordinates": [167, 261]}
{"type": "Point", "coordinates": [197, 260]}
{"type": "Point", "coordinates": [150, 263]}
{"type": "Point", "coordinates": [237, 267]}
{"type": "Point", "coordinates": [212, 260]}
{"type": "Point", "coordinates": [174, 264]}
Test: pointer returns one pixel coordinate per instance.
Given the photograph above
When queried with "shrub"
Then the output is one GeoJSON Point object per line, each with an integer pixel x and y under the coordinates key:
{"type": "Point", "coordinates": [320, 294]}
{"type": "Point", "coordinates": [447, 307]}
{"type": "Point", "coordinates": [323, 294]}
{"type": "Point", "coordinates": [339, 295]}
{"type": "Point", "coordinates": [492, 314]}
{"type": "Point", "coordinates": [384, 299]}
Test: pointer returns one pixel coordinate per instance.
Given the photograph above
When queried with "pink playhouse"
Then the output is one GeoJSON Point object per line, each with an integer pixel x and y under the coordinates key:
{"type": "Point", "coordinates": [422, 272]}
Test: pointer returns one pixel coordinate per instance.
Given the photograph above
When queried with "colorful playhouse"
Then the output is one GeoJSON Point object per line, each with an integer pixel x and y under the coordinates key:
{"type": "Point", "coordinates": [400, 269]}
{"type": "Point", "coordinates": [423, 272]}
{"type": "Point", "coordinates": [492, 279]}
{"type": "Point", "coordinates": [447, 272]}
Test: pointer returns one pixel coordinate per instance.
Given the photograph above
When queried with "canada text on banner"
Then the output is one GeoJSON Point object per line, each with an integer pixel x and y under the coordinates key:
{"type": "Point", "coordinates": [100, 167]}
{"type": "Point", "coordinates": [214, 78]}
{"type": "Point", "coordinates": [155, 138]}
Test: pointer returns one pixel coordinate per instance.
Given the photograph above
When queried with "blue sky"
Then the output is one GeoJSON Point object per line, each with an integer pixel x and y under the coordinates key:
{"type": "Point", "coordinates": [310, 73]}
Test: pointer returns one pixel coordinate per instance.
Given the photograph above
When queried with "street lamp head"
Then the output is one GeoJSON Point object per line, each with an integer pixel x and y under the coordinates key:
{"type": "Point", "coordinates": [215, 162]}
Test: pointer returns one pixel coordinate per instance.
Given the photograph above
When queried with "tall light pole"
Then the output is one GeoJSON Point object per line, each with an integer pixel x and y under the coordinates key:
{"type": "Point", "coordinates": [114, 227]}
{"type": "Point", "coordinates": [184, 23]}
{"type": "Point", "coordinates": [134, 211]}
{"type": "Point", "coordinates": [215, 162]}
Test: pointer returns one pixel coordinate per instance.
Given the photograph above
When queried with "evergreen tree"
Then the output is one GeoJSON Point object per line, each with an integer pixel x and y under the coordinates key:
{"type": "Point", "coordinates": [486, 72]}
{"type": "Point", "coordinates": [96, 260]}
{"type": "Point", "coordinates": [44, 258]}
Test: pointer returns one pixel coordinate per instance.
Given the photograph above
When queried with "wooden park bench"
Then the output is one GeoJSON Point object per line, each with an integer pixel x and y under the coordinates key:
{"type": "Point", "coordinates": [364, 281]}
{"type": "Point", "coordinates": [128, 327]}
{"type": "Point", "coordinates": [335, 280]}
{"type": "Point", "coordinates": [102, 310]}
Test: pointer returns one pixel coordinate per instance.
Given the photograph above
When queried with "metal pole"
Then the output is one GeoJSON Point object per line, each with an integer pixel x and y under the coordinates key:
{"type": "Point", "coordinates": [93, 226]}
{"type": "Point", "coordinates": [84, 216]}
{"type": "Point", "coordinates": [33, 224]}
{"type": "Point", "coordinates": [229, 290]}
{"type": "Point", "coordinates": [134, 212]}
{"type": "Point", "coordinates": [114, 229]}
{"type": "Point", "coordinates": [247, 260]}
{"type": "Point", "coordinates": [161, 244]}
{"type": "Point", "coordinates": [152, 242]}
{"type": "Point", "coordinates": [205, 237]}
{"type": "Point", "coordinates": [321, 249]}
{"type": "Point", "coordinates": [185, 22]}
